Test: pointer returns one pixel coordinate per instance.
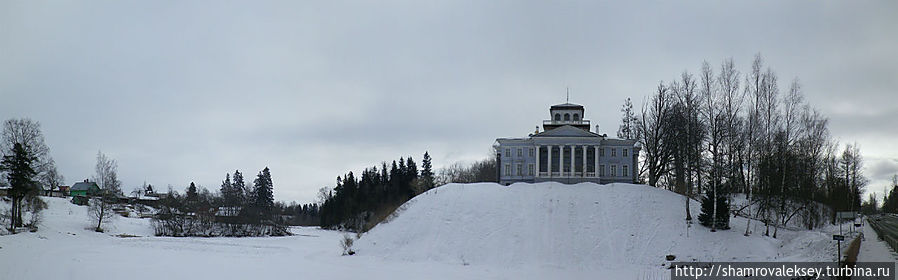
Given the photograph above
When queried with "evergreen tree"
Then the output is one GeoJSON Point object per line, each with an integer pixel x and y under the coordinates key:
{"type": "Point", "coordinates": [239, 189]}
{"type": "Point", "coordinates": [427, 177]}
{"type": "Point", "coordinates": [228, 195]}
{"type": "Point", "coordinates": [263, 197]}
{"type": "Point", "coordinates": [20, 176]}
{"type": "Point", "coordinates": [226, 189]}
{"type": "Point", "coordinates": [627, 129]}
{"type": "Point", "coordinates": [192, 194]}
{"type": "Point", "coordinates": [411, 176]}
{"type": "Point", "coordinates": [715, 218]}
{"type": "Point", "coordinates": [705, 217]}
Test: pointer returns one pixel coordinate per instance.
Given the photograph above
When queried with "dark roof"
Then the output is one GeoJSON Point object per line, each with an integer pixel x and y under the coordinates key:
{"type": "Point", "coordinates": [83, 186]}
{"type": "Point", "coordinates": [567, 106]}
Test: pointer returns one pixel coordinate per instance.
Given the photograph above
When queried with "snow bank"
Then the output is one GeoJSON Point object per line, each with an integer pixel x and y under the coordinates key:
{"type": "Point", "coordinates": [573, 226]}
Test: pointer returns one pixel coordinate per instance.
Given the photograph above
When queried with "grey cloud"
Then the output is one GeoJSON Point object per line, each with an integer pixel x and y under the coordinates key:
{"type": "Point", "coordinates": [186, 91]}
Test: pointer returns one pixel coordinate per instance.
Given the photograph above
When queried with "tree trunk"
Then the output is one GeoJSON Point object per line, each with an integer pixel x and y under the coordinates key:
{"type": "Point", "coordinates": [100, 216]}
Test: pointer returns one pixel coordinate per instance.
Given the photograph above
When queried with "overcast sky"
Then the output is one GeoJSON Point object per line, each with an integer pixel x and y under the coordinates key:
{"type": "Point", "coordinates": [182, 91]}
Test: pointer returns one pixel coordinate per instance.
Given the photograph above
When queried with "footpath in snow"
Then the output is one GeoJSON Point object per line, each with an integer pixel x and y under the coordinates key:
{"type": "Point", "coordinates": [873, 249]}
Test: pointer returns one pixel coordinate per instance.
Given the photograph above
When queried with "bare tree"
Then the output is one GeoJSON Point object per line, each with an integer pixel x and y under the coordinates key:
{"type": "Point", "coordinates": [107, 179]}
{"type": "Point", "coordinates": [852, 165]}
{"type": "Point", "coordinates": [731, 103]}
{"type": "Point", "coordinates": [769, 121]}
{"type": "Point", "coordinates": [27, 133]}
{"type": "Point", "coordinates": [52, 179]}
{"type": "Point", "coordinates": [685, 137]}
{"type": "Point", "coordinates": [713, 118]}
{"type": "Point", "coordinates": [792, 103]}
{"type": "Point", "coordinates": [652, 131]}
{"type": "Point", "coordinates": [753, 88]}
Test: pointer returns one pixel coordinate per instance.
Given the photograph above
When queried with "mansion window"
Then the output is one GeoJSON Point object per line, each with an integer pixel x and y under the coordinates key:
{"type": "Point", "coordinates": [613, 154]}
{"type": "Point", "coordinates": [624, 170]}
{"type": "Point", "coordinates": [624, 154]}
{"type": "Point", "coordinates": [613, 170]}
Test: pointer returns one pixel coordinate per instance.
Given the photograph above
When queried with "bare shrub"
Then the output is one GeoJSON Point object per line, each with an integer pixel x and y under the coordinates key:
{"type": "Point", "coordinates": [346, 242]}
{"type": "Point", "coordinates": [35, 205]}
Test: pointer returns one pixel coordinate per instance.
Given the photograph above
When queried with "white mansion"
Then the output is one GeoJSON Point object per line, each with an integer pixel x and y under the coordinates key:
{"type": "Point", "coordinates": [566, 151]}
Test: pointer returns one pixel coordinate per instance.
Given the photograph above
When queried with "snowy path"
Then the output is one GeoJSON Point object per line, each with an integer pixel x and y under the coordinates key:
{"type": "Point", "coordinates": [873, 249]}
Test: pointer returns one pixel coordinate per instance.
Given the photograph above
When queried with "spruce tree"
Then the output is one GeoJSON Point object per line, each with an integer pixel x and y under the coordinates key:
{"type": "Point", "coordinates": [263, 198]}
{"type": "Point", "coordinates": [722, 218]}
{"type": "Point", "coordinates": [239, 189]}
{"type": "Point", "coordinates": [227, 195]}
{"type": "Point", "coordinates": [20, 175]}
{"type": "Point", "coordinates": [705, 217]}
{"type": "Point", "coordinates": [192, 195]}
{"type": "Point", "coordinates": [411, 176]}
{"type": "Point", "coordinates": [427, 172]}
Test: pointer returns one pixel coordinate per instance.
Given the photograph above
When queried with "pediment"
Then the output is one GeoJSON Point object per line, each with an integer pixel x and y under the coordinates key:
{"type": "Point", "coordinates": [566, 131]}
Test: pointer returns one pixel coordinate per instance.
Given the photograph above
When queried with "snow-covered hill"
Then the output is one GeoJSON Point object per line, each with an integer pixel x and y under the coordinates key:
{"type": "Point", "coordinates": [573, 226]}
{"type": "Point", "coordinates": [476, 231]}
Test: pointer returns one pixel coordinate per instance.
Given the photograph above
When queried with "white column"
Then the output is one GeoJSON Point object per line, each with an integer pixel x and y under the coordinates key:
{"type": "Point", "coordinates": [583, 148]}
{"type": "Point", "coordinates": [572, 162]}
{"type": "Point", "coordinates": [596, 151]}
{"type": "Point", "coordinates": [549, 160]}
{"type": "Point", "coordinates": [536, 175]}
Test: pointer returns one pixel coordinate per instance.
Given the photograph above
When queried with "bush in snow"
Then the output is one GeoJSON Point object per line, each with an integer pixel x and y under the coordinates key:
{"type": "Point", "coordinates": [346, 243]}
{"type": "Point", "coordinates": [35, 205]}
{"type": "Point", "coordinates": [100, 211]}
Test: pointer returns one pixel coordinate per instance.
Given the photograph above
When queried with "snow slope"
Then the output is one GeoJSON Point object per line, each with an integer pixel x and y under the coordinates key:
{"type": "Point", "coordinates": [583, 226]}
{"type": "Point", "coordinates": [476, 231]}
{"type": "Point", "coordinates": [66, 247]}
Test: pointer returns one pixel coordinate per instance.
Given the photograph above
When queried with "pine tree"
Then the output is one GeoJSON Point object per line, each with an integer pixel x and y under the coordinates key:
{"type": "Point", "coordinates": [427, 172]}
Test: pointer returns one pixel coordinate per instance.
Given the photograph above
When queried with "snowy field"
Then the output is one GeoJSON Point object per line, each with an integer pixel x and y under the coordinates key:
{"type": "Point", "coordinates": [475, 231]}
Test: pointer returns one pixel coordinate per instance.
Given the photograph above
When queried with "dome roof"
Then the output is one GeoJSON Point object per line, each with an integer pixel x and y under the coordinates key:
{"type": "Point", "coordinates": [567, 106]}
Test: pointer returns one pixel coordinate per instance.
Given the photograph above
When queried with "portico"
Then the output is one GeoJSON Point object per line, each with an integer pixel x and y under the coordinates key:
{"type": "Point", "coordinates": [566, 151]}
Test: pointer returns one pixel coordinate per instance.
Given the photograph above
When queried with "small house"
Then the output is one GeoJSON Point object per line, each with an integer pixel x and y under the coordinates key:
{"type": "Point", "coordinates": [85, 188]}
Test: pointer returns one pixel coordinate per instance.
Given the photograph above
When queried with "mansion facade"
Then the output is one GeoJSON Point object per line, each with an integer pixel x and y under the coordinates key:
{"type": "Point", "coordinates": [567, 151]}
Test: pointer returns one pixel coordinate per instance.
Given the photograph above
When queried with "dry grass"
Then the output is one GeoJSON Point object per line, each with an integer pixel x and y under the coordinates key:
{"type": "Point", "coordinates": [384, 214]}
{"type": "Point", "coordinates": [853, 249]}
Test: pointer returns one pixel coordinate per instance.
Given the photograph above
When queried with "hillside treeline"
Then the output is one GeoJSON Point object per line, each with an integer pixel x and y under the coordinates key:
{"type": "Point", "coordinates": [360, 201]}
{"type": "Point", "coordinates": [722, 132]}
{"type": "Point", "coordinates": [237, 210]}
